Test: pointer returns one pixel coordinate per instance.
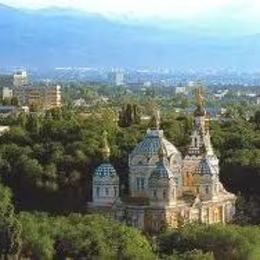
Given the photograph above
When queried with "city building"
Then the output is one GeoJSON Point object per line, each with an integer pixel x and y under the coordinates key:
{"type": "Point", "coordinates": [7, 93]}
{"type": "Point", "coordinates": [4, 129]}
{"type": "Point", "coordinates": [20, 79]}
{"type": "Point", "coordinates": [221, 94]}
{"type": "Point", "coordinates": [45, 97]}
{"type": "Point", "coordinates": [165, 188]}
{"type": "Point", "coordinates": [258, 100]}
{"type": "Point", "coordinates": [181, 90]}
{"type": "Point", "coordinates": [119, 78]}
{"type": "Point", "coordinates": [6, 111]}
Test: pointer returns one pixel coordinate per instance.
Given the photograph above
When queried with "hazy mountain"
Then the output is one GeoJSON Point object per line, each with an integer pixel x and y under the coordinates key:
{"type": "Point", "coordinates": [58, 37]}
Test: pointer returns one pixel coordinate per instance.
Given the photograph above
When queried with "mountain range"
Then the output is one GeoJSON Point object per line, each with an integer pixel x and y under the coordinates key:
{"type": "Point", "coordinates": [58, 37]}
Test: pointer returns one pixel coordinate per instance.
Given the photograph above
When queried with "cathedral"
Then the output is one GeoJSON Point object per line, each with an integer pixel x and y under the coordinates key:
{"type": "Point", "coordinates": [165, 188]}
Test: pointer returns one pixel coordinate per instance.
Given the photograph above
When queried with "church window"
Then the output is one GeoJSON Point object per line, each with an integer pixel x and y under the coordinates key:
{"type": "Point", "coordinates": [155, 194]}
{"type": "Point", "coordinates": [164, 194]}
{"type": "Point", "coordinates": [142, 183]}
{"type": "Point", "coordinates": [115, 191]}
{"type": "Point", "coordinates": [138, 183]}
{"type": "Point", "coordinates": [207, 189]}
{"type": "Point", "coordinates": [195, 142]}
{"type": "Point", "coordinates": [97, 191]}
{"type": "Point", "coordinates": [107, 191]}
{"type": "Point", "coordinates": [173, 193]}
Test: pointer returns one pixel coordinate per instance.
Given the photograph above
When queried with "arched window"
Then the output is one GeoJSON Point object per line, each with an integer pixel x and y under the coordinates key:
{"type": "Point", "coordinates": [115, 191]}
{"type": "Point", "coordinates": [97, 191]}
{"type": "Point", "coordinates": [138, 183]}
{"type": "Point", "coordinates": [207, 189]}
{"type": "Point", "coordinates": [173, 193]}
{"type": "Point", "coordinates": [142, 183]}
{"type": "Point", "coordinates": [154, 194]}
{"type": "Point", "coordinates": [195, 142]}
{"type": "Point", "coordinates": [107, 191]}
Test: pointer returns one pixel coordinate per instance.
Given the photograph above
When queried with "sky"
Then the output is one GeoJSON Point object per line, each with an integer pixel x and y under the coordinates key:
{"type": "Point", "coordinates": [151, 8]}
{"type": "Point", "coordinates": [242, 14]}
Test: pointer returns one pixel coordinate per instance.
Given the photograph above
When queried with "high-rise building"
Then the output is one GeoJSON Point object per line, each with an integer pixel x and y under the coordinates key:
{"type": "Point", "coordinates": [116, 77]}
{"type": "Point", "coordinates": [7, 93]}
{"type": "Point", "coordinates": [119, 78]}
{"type": "Point", "coordinates": [45, 98]}
{"type": "Point", "coordinates": [20, 79]}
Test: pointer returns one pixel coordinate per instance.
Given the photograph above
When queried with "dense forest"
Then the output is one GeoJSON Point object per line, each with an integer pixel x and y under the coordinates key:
{"type": "Point", "coordinates": [46, 164]}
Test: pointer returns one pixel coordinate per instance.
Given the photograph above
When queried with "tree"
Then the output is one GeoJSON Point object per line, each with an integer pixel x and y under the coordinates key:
{"type": "Point", "coordinates": [129, 114]}
{"type": "Point", "coordinates": [224, 241]}
{"type": "Point", "coordinates": [257, 119]}
{"type": "Point", "coordinates": [33, 123]}
{"type": "Point", "coordinates": [10, 229]}
{"type": "Point", "coordinates": [14, 101]}
{"type": "Point", "coordinates": [77, 236]}
{"type": "Point", "coordinates": [22, 119]}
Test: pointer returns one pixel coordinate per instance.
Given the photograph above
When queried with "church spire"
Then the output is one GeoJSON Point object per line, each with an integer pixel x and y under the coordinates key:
{"type": "Point", "coordinates": [200, 111]}
{"type": "Point", "coordinates": [105, 147]}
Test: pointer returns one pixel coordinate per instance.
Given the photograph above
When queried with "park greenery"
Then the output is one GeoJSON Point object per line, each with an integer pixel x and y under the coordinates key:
{"type": "Point", "coordinates": [47, 161]}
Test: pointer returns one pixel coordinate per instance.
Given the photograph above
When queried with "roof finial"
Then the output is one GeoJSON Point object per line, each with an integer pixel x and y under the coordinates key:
{"type": "Point", "coordinates": [155, 120]}
{"type": "Point", "coordinates": [158, 119]}
{"type": "Point", "coordinates": [199, 101]}
{"type": "Point", "coordinates": [105, 147]}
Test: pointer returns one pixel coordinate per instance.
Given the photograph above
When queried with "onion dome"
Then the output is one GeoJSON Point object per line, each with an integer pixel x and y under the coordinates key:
{"type": "Point", "coordinates": [105, 170]}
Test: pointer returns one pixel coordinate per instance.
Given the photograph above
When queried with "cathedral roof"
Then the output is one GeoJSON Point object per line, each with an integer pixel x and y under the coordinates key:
{"type": "Point", "coordinates": [150, 145]}
{"type": "Point", "coordinates": [206, 167]}
{"type": "Point", "coordinates": [105, 170]}
{"type": "Point", "coordinates": [162, 170]}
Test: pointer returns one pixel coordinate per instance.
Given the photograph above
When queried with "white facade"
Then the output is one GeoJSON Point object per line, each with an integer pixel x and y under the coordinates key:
{"type": "Point", "coordinates": [105, 185]}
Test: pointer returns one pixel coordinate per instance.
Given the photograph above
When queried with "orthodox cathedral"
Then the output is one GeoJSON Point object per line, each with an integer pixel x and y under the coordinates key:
{"type": "Point", "coordinates": [164, 187]}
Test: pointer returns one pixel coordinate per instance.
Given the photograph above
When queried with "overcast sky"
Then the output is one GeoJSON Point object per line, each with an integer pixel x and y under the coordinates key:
{"type": "Point", "coordinates": [244, 14]}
